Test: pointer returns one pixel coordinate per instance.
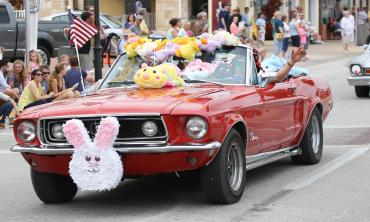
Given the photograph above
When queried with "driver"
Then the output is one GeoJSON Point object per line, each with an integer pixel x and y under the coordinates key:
{"type": "Point", "coordinates": [282, 74]}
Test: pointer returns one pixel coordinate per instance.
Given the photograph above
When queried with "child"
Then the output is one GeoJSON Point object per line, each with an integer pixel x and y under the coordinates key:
{"type": "Point", "coordinates": [64, 59]}
{"type": "Point", "coordinates": [34, 63]}
{"type": "Point", "coordinates": [302, 34]}
{"type": "Point", "coordinates": [234, 29]}
{"type": "Point", "coordinates": [187, 28]}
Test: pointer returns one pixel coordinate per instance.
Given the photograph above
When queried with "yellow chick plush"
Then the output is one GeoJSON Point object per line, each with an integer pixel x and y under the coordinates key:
{"type": "Point", "coordinates": [188, 51]}
{"type": "Point", "coordinates": [150, 78]}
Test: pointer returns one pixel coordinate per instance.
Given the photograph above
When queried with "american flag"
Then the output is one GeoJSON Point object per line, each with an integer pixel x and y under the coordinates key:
{"type": "Point", "coordinates": [80, 31]}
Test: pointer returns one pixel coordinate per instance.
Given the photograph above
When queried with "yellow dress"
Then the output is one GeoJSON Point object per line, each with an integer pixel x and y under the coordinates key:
{"type": "Point", "coordinates": [27, 97]}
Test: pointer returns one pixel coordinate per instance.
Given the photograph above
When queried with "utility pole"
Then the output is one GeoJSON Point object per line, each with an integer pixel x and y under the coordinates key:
{"type": "Point", "coordinates": [97, 47]}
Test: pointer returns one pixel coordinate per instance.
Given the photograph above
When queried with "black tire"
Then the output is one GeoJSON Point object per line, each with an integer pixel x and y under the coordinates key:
{"type": "Point", "coordinates": [311, 150]}
{"type": "Point", "coordinates": [53, 188]}
{"type": "Point", "coordinates": [45, 54]}
{"type": "Point", "coordinates": [215, 177]}
{"type": "Point", "coordinates": [362, 91]}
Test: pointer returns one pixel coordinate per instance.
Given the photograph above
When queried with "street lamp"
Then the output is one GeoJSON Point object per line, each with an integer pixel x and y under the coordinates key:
{"type": "Point", "coordinates": [97, 47]}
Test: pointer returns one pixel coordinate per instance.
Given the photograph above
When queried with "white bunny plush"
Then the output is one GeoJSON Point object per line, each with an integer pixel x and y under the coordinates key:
{"type": "Point", "coordinates": [94, 166]}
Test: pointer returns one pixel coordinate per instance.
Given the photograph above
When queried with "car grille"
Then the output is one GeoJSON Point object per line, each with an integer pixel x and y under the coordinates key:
{"type": "Point", "coordinates": [130, 131]}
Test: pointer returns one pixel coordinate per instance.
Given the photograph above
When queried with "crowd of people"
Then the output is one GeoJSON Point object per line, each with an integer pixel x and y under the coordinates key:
{"type": "Point", "coordinates": [23, 87]}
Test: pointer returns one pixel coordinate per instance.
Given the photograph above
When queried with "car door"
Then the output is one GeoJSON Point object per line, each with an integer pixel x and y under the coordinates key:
{"type": "Point", "coordinates": [8, 30]}
{"type": "Point", "coordinates": [278, 101]}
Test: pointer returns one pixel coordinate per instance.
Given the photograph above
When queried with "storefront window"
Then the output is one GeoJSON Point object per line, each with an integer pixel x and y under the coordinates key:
{"type": "Point", "coordinates": [330, 9]}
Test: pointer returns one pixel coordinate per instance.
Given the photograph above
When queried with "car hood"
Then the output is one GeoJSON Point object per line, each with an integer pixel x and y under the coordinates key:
{"type": "Point", "coordinates": [363, 60]}
{"type": "Point", "coordinates": [120, 101]}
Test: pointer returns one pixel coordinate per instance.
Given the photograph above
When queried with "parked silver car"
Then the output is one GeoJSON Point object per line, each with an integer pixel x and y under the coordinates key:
{"type": "Point", "coordinates": [360, 73]}
{"type": "Point", "coordinates": [109, 23]}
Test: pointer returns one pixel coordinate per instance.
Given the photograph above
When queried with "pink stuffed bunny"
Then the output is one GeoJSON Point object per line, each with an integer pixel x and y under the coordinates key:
{"type": "Point", "coordinates": [94, 165]}
{"type": "Point", "coordinates": [198, 69]}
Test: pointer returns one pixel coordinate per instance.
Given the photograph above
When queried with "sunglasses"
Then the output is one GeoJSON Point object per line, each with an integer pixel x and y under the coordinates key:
{"type": "Point", "coordinates": [45, 73]}
{"type": "Point", "coordinates": [38, 74]}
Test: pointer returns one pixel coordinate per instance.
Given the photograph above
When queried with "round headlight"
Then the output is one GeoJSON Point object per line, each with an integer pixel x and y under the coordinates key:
{"type": "Point", "coordinates": [196, 127]}
{"type": "Point", "coordinates": [356, 69]}
{"type": "Point", "coordinates": [149, 128]}
{"type": "Point", "coordinates": [57, 131]}
{"type": "Point", "coordinates": [26, 131]}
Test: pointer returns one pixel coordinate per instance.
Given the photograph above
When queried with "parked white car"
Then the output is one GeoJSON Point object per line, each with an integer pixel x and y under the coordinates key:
{"type": "Point", "coordinates": [360, 73]}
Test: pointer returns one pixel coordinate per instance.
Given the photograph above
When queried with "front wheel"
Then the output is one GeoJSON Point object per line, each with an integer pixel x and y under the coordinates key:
{"type": "Point", "coordinates": [362, 91]}
{"type": "Point", "coordinates": [312, 141]}
{"type": "Point", "coordinates": [223, 180]}
{"type": "Point", "coordinates": [53, 188]}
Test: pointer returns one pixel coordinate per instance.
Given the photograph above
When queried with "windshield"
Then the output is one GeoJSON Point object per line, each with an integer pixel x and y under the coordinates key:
{"type": "Point", "coordinates": [112, 22]}
{"type": "Point", "coordinates": [224, 66]}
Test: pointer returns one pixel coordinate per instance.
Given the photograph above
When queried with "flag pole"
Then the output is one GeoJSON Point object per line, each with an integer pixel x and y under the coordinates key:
{"type": "Point", "coordinates": [79, 64]}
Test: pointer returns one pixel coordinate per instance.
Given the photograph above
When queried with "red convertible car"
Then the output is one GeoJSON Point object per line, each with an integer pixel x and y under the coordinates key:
{"type": "Point", "coordinates": [223, 125]}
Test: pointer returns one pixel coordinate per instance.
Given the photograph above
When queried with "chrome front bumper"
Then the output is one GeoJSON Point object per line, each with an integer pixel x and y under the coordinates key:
{"type": "Point", "coordinates": [156, 149]}
{"type": "Point", "coordinates": [359, 80]}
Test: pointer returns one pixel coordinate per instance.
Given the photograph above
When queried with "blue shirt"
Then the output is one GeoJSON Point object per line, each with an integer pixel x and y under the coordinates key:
{"type": "Point", "coordinates": [277, 23]}
{"type": "Point", "coordinates": [73, 76]}
{"type": "Point", "coordinates": [223, 14]}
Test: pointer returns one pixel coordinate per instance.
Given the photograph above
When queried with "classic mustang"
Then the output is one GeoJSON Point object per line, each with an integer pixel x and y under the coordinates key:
{"type": "Point", "coordinates": [360, 73]}
{"type": "Point", "coordinates": [222, 125]}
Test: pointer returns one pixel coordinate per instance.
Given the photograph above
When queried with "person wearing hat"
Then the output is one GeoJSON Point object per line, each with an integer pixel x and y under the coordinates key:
{"type": "Point", "coordinates": [4, 87]}
{"type": "Point", "coordinates": [135, 28]}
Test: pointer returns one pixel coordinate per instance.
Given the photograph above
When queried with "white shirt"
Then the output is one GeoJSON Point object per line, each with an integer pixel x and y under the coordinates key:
{"type": "Point", "coordinates": [362, 17]}
{"type": "Point", "coordinates": [348, 25]}
{"type": "Point", "coordinates": [286, 30]}
{"type": "Point", "coordinates": [3, 83]}
{"type": "Point", "coordinates": [4, 97]}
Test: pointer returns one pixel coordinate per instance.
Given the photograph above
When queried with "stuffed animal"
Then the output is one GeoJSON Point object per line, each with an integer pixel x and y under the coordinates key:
{"type": "Point", "coordinates": [146, 49]}
{"type": "Point", "coordinates": [225, 38]}
{"type": "Point", "coordinates": [188, 51]}
{"type": "Point", "coordinates": [163, 54]}
{"type": "Point", "coordinates": [207, 44]}
{"type": "Point", "coordinates": [94, 166]}
{"type": "Point", "coordinates": [198, 69]}
{"type": "Point", "coordinates": [150, 77]}
{"type": "Point", "coordinates": [164, 75]}
{"type": "Point", "coordinates": [173, 75]}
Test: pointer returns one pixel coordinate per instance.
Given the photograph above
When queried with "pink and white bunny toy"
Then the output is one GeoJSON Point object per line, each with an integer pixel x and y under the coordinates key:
{"type": "Point", "coordinates": [94, 166]}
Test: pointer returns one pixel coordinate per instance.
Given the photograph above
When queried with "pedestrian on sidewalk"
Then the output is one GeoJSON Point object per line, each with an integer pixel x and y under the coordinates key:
{"type": "Point", "coordinates": [4, 87]}
{"type": "Point", "coordinates": [278, 33]}
{"type": "Point", "coordinates": [261, 27]}
{"type": "Point", "coordinates": [235, 13]}
{"type": "Point", "coordinates": [246, 22]}
{"type": "Point", "coordinates": [287, 35]}
{"type": "Point", "coordinates": [294, 35]}
{"type": "Point", "coordinates": [135, 28]}
{"type": "Point", "coordinates": [234, 28]}
{"type": "Point", "coordinates": [223, 16]}
{"type": "Point", "coordinates": [348, 29]}
{"type": "Point", "coordinates": [201, 24]}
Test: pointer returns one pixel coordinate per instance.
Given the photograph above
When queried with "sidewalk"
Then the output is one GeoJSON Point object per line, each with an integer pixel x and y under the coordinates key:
{"type": "Point", "coordinates": [323, 53]}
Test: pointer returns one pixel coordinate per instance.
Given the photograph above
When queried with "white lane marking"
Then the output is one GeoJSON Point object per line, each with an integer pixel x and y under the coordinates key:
{"type": "Point", "coordinates": [346, 126]}
{"type": "Point", "coordinates": [329, 167]}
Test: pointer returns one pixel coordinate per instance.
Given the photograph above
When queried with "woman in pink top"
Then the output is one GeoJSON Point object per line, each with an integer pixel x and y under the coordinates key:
{"type": "Point", "coordinates": [234, 29]}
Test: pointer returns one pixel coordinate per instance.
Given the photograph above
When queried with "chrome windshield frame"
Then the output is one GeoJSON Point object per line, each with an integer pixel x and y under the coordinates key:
{"type": "Point", "coordinates": [248, 71]}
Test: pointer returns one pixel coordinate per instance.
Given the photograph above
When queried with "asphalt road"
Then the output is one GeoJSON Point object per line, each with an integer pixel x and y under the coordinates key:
{"type": "Point", "coordinates": [336, 189]}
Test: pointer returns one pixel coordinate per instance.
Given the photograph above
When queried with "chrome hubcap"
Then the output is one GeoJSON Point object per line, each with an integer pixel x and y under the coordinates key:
{"type": "Point", "coordinates": [315, 134]}
{"type": "Point", "coordinates": [235, 167]}
{"type": "Point", "coordinates": [43, 56]}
